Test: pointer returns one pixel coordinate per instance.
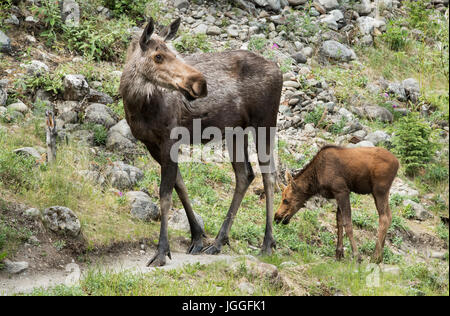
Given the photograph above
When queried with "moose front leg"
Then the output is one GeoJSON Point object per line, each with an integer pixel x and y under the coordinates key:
{"type": "Point", "coordinates": [168, 177]}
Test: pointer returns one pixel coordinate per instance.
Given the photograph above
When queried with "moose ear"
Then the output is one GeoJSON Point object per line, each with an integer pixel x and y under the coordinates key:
{"type": "Point", "coordinates": [170, 31]}
{"type": "Point", "coordinates": [288, 177]}
{"type": "Point", "coordinates": [147, 34]}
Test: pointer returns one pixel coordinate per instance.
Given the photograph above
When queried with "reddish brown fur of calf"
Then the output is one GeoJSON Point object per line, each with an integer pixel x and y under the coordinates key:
{"type": "Point", "coordinates": [335, 172]}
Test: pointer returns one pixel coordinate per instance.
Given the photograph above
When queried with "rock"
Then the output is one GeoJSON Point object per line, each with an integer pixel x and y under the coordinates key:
{"type": "Point", "coordinates": [13, 20]}
{"type": "Point", "coordinates": [396, 89]}
{"type": "Point", "coordinates": [84, 137]}
{"type": "Point", "coordinates": [28, 152]}
{"type": "Point", "coordinates": [98, 113]}
{"type": "Point", "coordinates": [291, 84]}
{"type": "Point", "coordinates": [142, 207]}
{"type": "Point", "coordinates": [5, 43]}
{"type": "Point", "coordinates": [120, 137]}
{"type": "Point", "coordinates": [19, 107]}
{"type": "Point", "coordinates": [378, 137]}
{"type": "Point", "coordinates": [62, 220]}
{"type": "Point", "coordinates": [329, 4]}
{"type": "Point", "coordinates": [99, 97]}
{"type": "Point", "coordinates": [15, 267]}
{"type": "Point", "coordinates": [401, 188]}
{"type": "Point", "coordinates": [438, 255]}
{"type": "Point", "coordinates": [376, 112]}
{"type": "Point", "coordinates": [334, 20]}
{"type": "Point", "coordinates": [307, 51]}
{"type": "Point", "coordinates": [299, 58]}
{"type": "Point", "coordinates": [412, 89]}
{"type": "Point", "coordinates": [246, 287]}
{"type": "Point", "coordinates": [3, 111]}
{"type": "Point", "coordinates": [364, 143]}
{"type": "Point", "coordinates": [294, 3]}
{"type": "Point", "coordinates": [363, 8]}
{"type": "Point", "coordinates": [334, 50]}
{"type": "Point", "coordinates": [214, 30]}
{"type": "Point", "coordinates": [257, 269]}
{"type": "Point", "coordinates": [31, 20]}
{"type": "Point", "coordinates": [367, 25]}
{"type": "Point", "coordinates": [70, 13]}
{"type": "Point", "coordinates": [181, 4]}
{"type": "Point", "coordinates": [123, 176]}
{"type": "Point", "coordinates": [233, 30]}
{"type": "Point", "coordinates": [421, 213]}
{"type": "Point", "coordinates": [346, 113]}
{"type": "Point", "coordinates": [288, 264]}
{"type": "Point", "coordinates": [200, 29]}
{"type": "Point", "coordinates": [36, 67]}
{"type": "Point", "coordinates": [3, 96]}
{"type": "Point", "coordinates": [32, 213]}
{"type": "Point", "coordinates": [94, 176]}
{"type": "Point", "coordinates": [75, 87]}
{"type": "Point", "coordinates": [274, 5]}
{"type": "Point", "coordinates": [179, 221]}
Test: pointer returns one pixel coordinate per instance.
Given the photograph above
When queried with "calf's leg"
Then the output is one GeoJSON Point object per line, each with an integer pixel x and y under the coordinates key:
{"type": "Point", "coordinates": [343, 200]}
{"type": "Point", "coordinates": [340, 235]}
{"type": "Point", "coordinates": [385, 219]}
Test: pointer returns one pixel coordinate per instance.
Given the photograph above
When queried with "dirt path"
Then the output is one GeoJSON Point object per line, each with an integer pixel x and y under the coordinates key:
{"type": "Point", "coordinates": [135, 263]}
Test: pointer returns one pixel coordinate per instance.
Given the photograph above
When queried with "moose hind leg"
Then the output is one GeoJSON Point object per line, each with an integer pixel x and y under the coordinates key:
{"type": "Point", "coordinates": [244, 177]}
{"type": "Point", "coordinates": [385, 218]}
{"type": "Point", "coordinates": [269, 242]}
{"type": "Point", "coordinates": [340, 235]}
{"type": "Point", "coordinates": [197, 232]}
{"type": "Point", "coordinates": [343, 201]}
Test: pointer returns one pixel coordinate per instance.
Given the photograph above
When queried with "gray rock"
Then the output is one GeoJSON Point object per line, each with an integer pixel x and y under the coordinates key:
{"type": "Point", "coordinates": [401, 188]}
{"type": "Point", "coordinates": [142, 207]}
{"type": "Point", "coordinates": [28, 152]}
{"type": "Point", "coordinates": [367, 25]}
{"type": "Point", "coordinates": [179, 221]}
{"type": "Point", "coordinates": [412, 89]}
{"type": "Point", "coordinates": [329, 4]}
{"type": "Point", "coordinates": [200, 29]}
{"type": "Point", "coordinates": [62, 220]}
{"type": "Point", "coordinates": [376, 112]}
{"type": "Point", "coordinates": [3, 111]}
{"type": "Point", "coordinates": [120, 137]}
{"type": "Point", "coordinates": [3, 96]}
{"type": "Point", "coordinates": [181, 4]}
{"type": "Point", "coordinates": [98, 113]}
{"type": "Point", "coordinates": [274, 5]}
{"type": "Point", "coordinates": [378, 137]}
{"type": "Point", "coordinates": [15, 267]}
{"type": "Point", "coordinates": [256, 268]}
{"type": "Point", "coordinates": [32, 213]}
{"type": "Point", "coordinates": [334, 50]}
{"type": "Point", "coordinates": [31, 20]}
{"type": "Point", "coordinates": [13, 20]}
{"type": "Point", "coordinates": [19, 107]}
{"type": "Point", "coordinates": [396, 89]}
{"type": "Point", "coordinates": [99, 97]}
{"type": "Point", "coordinates": [294, 3]}
{"type": "Point", "coordinates": [36, 67]}
{"type": "Point", "coordinates": [75, 87]}
{"type": "Point", "coordinates": [346, 113]}
{"type": "Point", "coordinates": [299, 58]}
{"type": "Point", "coordinates": [214, 30]}
{"type": "Point", "coordinates": [291, 84]}
{"type": "Point", "coordinates": [70, 13]}
{"type": "Point", "coordinates": [233, 30]}
{"type": "Point", "coordinates": [334, 20]}
{"type": "Point", "coordinates": [364, 7]}
{"type": "Point", "coordinates": [421, 213]}
{"type": "Point", "coordinates": [84, 137]}
{"type": "Point", "coordinates": [123, 176]}
{"type": "Point", "coordinates": [5, 43]}
{"type": "Point", "coordinates": [364, 143]}
{"type": "Point", "coordinates": [307, 51]}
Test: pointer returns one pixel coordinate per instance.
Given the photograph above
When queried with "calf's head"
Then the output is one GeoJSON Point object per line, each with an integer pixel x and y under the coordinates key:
{"type": "Point", "coordinates": [292, 200]}
{"type": "Point", "coordinates": [159, 65]}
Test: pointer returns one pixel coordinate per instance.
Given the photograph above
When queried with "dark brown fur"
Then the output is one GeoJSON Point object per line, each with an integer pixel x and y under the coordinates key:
{"type": "Point", "coordinates": [335, 172]}
{"type": "Point", "coordinates": [229, 89]}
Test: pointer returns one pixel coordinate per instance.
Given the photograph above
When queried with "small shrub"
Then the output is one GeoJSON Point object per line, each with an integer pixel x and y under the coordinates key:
{"type": "Point", "coordinates": [257, 44]}
{"type": "Point", "coordinates": [409, 212]}
{"type": "Point", "coordinates": [188, 43]}
{"type": "Point", "coordinates": [413, 143]}
{"type": "Point", "coordinates": [396, 37]}
{"type": "Point", "coordinates": [100, 135]}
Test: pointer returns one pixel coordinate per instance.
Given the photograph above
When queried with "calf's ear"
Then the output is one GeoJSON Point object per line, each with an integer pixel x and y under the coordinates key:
{"type": "Point", "coordinates": [170, 31]}
{"type": "Point", "coordinates": [147, 34]}
{"type": "Point", "coordinates": [288, 177]}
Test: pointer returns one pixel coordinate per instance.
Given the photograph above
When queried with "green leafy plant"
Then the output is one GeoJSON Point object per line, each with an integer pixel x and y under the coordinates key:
{"type": "Point", "coordinates": [396, 37]}
{"type": "Point", "coordinates": [413, 143]}
{"type": "Point", "coordinates": [188, 43]}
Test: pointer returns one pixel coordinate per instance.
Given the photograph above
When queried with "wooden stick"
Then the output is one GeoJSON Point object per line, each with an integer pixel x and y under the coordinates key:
{"type": "Point", "coordinates": [51, 135]}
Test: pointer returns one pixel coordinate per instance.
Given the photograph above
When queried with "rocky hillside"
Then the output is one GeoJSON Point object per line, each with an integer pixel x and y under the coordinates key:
{"type": "Point", "coordinates": [356, 73]}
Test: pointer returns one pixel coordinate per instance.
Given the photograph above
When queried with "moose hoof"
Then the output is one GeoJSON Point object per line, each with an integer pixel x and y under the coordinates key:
{"type": "Point", "coordinates": [339, 254]}
{"type": "Point", "coordinates": [267, 248]}
{"type": "Point", "coordinates": [158, 260]}
{"type": "Point", "coordinates": [196, 247]}
{"type": "Point", "coordinates": [212, 250]}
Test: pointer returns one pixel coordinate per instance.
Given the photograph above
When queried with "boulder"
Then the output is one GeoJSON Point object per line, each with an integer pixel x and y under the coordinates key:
{"type": "Point", "coordinates": [329, 4]}
{"type": "Point", "coordinates": [15, 267]}
{"type": "Point", "coordinates": [36, 67]}
{"type": "Point", "coordinates": [142, 207]}
{"type": "Point", "coordinates": [75, 87]}
{"type": "Point", "coordinates": [120, 137]}
{"type": "Point", "coordinates": [367, 25]}
{"type": "Point", "coordinates": [98, 113]}
{"type": "Point", "coordinates": [378, 137]}
{"type": "Point", "coordinates": [28, 152]}
{"type": "Point", "coordinates": [5, 43]}
{"type": "Point", "coordinates": [376, 112]}
{"type": "Point", "coordinates": [70, 13]}
{"type": "Point", "coordinates": [336, 51]}
{"type": "Point", "coordinates": [179, 221]}
{"type": "Point", "coordinates": [19, 107]}
{"type": "Point", "coordinates": [123, 176]}
{"type": "Point", "coordinates": [412, 89]}
{"type": "Point", "coordinates": [421, 213]}
{"type": "Point", "coordinates": [62, 220]}
{"type": "Point", "coordinates": [181, 4]}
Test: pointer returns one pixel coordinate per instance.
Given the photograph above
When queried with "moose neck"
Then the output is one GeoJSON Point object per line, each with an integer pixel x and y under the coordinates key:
{"type": "Point", "coordinates": [306, 181]}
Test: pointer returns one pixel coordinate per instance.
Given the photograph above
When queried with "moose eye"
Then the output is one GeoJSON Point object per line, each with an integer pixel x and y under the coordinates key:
{"type": "Point", "coordinates": [285, 201]}
{"type": "Point", "coordinates": [158, 58]}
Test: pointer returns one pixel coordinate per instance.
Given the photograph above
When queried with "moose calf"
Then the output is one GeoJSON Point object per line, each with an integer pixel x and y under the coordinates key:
{"type": "Point", "coordinates": [335, 172]}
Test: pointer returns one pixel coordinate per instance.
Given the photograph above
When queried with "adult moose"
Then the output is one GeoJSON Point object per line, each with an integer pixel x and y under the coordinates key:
{"type": "Point", "coordinates": [229, 89]}
{"type": "Point", "coordinates": [335, 172]}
